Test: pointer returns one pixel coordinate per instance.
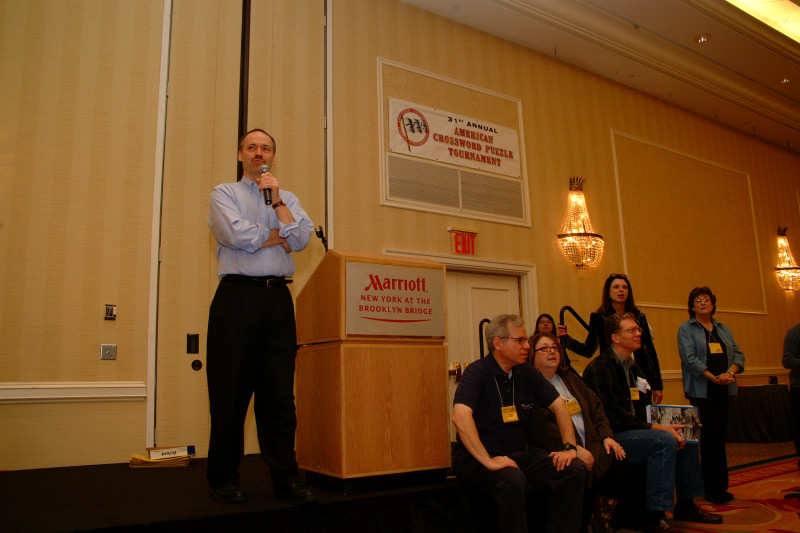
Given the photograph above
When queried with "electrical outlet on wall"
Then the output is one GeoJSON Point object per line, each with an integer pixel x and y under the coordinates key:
{"type": "Point", "coordinates": [108, 351]}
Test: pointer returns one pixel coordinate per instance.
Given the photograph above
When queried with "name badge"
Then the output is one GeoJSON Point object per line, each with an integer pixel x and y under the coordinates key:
{"type": "Point", "coordinates": [634, 393]}
{"type": "Point", "coordinates": [714, 347]}
{"type": "Point", "coordinates": [510, 414]}
{"type": "Point", "coordinates": [573, 406]}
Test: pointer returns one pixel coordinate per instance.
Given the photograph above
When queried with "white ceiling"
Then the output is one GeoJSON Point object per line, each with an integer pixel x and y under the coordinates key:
{"type": "Point", "coordinates": [649, 45]}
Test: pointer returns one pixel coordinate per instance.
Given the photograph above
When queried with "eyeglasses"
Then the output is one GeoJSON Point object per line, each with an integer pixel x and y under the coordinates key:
{"type": "Point", "coordinates": [520, 340]}
{"type": "Point", "coordinates": [637, 329]}
{"type": "Point", "coordinates": [551, 348]}
{"type": "Point", "coordinates": [702, 300]}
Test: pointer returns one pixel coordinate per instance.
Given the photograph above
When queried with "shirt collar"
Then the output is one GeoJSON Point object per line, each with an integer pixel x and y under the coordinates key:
{"type": "Point", "coordinates": [496, 370]}
{"type": "Point", "coordinates": [247, 181]}
{"type": "Point", "coordinates": [621, 360]}
{"type": "Point", "coordinates": [694, 320]}
{"type": "Point", "coordinates": [250, 185]}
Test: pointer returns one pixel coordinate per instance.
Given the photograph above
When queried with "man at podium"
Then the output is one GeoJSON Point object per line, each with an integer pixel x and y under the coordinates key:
{"type": "Point", "coordinates": [251, 327]}
{"type": "Point", "coordinates": [491, 405]}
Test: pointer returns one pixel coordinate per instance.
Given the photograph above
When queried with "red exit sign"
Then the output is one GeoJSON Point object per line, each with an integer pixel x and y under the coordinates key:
{"type": "Point", "coordinates": [462, 241]}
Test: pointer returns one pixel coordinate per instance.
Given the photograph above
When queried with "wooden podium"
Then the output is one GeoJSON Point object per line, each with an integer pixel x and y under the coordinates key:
{"type": "Point", "coordinates": [372, 367]}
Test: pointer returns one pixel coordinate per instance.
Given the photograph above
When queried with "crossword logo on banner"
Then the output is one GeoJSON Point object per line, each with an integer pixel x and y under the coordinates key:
{"type": "Point", "coordinates": [413, 127]}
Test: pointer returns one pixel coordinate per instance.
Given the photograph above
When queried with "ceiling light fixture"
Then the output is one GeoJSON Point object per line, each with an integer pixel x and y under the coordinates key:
{"type": "Point", "coordinates": [702, 38]}
{"type": "Point", "coordinates": [781, 15]}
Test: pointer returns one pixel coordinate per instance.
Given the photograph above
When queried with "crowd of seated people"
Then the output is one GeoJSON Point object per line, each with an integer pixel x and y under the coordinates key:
{"type": "Point", "coordinates": [527, 420]}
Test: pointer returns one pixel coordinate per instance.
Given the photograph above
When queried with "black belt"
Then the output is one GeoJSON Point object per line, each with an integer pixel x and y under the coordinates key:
{"type": "Point", "coordinates": [269, 281]}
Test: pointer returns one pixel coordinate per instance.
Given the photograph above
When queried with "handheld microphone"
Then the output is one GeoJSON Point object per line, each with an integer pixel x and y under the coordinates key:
{"type": "Point", "coordinates": [263, 169]}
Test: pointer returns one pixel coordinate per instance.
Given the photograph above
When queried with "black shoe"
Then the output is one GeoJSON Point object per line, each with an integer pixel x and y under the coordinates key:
{"type": "Point", "coordinates": [657, 527]}
{"type": "Point", "coordinates": [716, 497]}
{"type": "Point", "coordinates": [295, 493]}
{"type": "Point", "coordinates": [696, 514]}
{"type": "Point", "coordinates": [728, 495]}
{"type": "Point", "coordinates": [228, 493]}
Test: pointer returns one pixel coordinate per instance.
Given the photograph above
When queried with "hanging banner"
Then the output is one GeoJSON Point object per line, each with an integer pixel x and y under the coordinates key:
{"type": "Point", "coordinates": [451, 138]}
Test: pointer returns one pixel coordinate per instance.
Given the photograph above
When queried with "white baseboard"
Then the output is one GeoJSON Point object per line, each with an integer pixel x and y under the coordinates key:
{"type": "Point", "coordinates": [72, 391]}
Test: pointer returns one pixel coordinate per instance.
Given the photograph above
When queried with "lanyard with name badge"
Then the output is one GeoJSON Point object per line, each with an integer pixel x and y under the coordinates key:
{"type": "Point", "coordinates": [572, 404]}
{"type": "Point", "coordinates": [634, 390]}
{"type": "Point", "coordinates": [714, 346]}
{"type": "Point", "coordinates": [509, 412]}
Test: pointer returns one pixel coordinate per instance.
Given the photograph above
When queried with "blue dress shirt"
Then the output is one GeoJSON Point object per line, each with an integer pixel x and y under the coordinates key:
{"type": "Point", "coordinates": [241, 222]}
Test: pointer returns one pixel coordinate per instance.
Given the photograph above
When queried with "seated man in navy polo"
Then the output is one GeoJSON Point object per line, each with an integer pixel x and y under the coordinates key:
{"type": "Point", "coordinates": [672, 465]}
{"type": "Point", "coordinates": [492, 402]}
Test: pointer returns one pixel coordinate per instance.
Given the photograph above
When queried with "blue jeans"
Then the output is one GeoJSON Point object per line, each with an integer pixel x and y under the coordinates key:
{"type": "Point", "coordinates": [668, 469]}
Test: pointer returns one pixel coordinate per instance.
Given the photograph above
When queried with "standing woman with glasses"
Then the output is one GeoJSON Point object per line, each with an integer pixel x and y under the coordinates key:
{"type": "Point", "coordinates": [618, 297]}
{"type": "Point", "coordinates": [545, 324]}
{"type": "Point", "coordinates": [710, 360]}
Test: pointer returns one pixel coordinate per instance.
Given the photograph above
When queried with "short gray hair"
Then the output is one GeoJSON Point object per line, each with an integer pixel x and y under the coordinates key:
{"type": "Point", "coordinates": [499, 327]}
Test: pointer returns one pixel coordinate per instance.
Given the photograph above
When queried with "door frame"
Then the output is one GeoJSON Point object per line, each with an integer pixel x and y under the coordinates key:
{"type": "Point", "coordinates": [528, 287]}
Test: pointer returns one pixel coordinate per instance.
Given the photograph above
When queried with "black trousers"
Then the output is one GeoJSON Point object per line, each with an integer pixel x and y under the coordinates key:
{"type": "Point", "coordinates": [713, 411]}
{"type": "Point", "coordinates": [251, 350]}
{"type": "Point", "coordinates": [510, 487]}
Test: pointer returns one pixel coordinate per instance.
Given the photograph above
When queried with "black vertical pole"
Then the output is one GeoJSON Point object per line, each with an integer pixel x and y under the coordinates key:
{"type": "Point", "coordinates": [244, 77]}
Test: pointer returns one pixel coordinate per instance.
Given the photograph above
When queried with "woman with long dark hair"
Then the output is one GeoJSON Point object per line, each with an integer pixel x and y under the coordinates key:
{"type": "Point", "coordinates": [618, 297]}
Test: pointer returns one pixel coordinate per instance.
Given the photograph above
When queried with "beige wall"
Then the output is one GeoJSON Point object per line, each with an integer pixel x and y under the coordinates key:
{"type": "Point", "coordinates": [78, 111]}
{"type": "Point", "coordinates": [79, 168]}
{"type": "Point", "coordinates": [77, 171]}
{"type": "Point", "coordinates": [570, 119]}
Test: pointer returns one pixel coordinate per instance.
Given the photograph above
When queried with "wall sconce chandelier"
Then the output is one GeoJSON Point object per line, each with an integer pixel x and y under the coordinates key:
{"type": "Point", "coordinates": [581, 245]}
{"type": "Point", "coordinates": [787, 271]}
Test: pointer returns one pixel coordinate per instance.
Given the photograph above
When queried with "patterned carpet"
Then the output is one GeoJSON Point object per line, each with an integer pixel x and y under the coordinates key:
{"type": "Point", "coordinates": [767, 500]}
{"type": "Point", "coordinates": [765, 479]}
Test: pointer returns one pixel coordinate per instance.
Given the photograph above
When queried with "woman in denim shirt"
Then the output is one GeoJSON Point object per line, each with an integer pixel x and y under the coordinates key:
{"type": "Point", "coordinates": [710, 360]}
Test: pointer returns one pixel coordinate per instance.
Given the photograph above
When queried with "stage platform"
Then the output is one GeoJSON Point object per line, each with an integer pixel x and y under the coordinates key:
{"type": "Point", "coordinates": [123, 499]}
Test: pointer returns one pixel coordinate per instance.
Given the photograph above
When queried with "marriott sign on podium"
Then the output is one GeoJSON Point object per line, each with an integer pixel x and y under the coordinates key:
{"type": "Point", "coordinates": [360, 295]}
{"type": "Point", "coordinates": [394, 300]}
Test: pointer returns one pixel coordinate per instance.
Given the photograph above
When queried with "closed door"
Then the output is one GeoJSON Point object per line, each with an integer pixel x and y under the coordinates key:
{"type": "Point", "coordinates": [472, 297]}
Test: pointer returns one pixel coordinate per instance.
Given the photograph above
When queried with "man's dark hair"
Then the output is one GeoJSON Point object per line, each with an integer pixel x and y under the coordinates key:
{"type": "Point", "coordinates": [612, 324]}
{"type": "Point", "coordinates": [241, 145]}
{"type": "Point", "coordinates": [242, 138]}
